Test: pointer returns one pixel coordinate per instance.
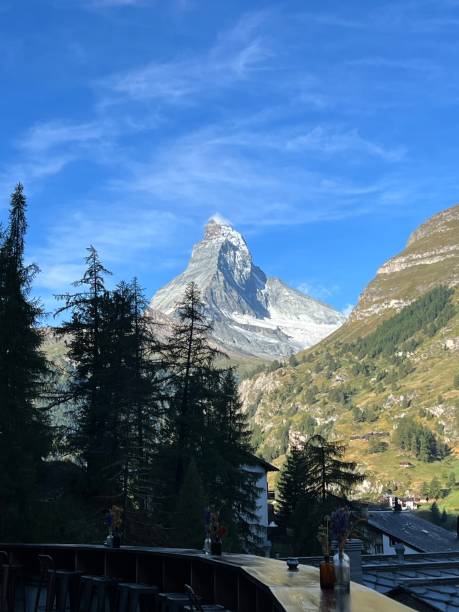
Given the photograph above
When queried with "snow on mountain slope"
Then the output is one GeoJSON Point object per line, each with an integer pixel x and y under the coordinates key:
{"type": "Point", "coordinates": [252, 314]}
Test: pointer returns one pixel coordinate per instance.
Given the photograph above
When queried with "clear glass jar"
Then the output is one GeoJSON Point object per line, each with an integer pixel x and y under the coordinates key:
{"type": "Point", "coordinates": [342, 571]}
{"type": "Point", "coordinates": [207, 545]}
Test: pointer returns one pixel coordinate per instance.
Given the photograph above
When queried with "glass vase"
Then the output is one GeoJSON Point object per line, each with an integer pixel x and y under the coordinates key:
{"type": "Point", "coordinates": [342, 571]}
{"type": "Point", "coordinates": [327, 573]}
{"type": "Point", "coordinates": [207, 545]}
{"type": "Point", "coordinates": [216, 548]}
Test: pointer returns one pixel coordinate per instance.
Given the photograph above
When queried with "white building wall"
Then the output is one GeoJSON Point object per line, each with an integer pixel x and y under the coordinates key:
{"type": "Point", "coordinates": [261, 523]}
{"type": "Point", "coordinates": [388, 548]}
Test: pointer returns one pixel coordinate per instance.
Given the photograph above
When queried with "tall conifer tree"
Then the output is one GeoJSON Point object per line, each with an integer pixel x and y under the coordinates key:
{"type": "Point", "coordinates": [293, 484]}
{"type": "Point", "coordinates": [327, 472]}
{"type": "Point", "coordinates": [229, 463]}
{"type": "Point", "coordinates": [24, 429]}
{"type": "Point", "coordinates": [205, 423]}
{"type": "Point", "coordinates": [189, 361]}
{"type": "Point", "coordinates": [87, 335]}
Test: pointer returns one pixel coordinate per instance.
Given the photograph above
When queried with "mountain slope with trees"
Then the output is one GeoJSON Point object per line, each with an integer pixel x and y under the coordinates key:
{"type": "Point", "coordinates": [387, 382]}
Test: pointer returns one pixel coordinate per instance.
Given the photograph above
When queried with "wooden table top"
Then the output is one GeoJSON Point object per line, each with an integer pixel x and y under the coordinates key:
{"type": "Point", "coordinates": [296, 591]}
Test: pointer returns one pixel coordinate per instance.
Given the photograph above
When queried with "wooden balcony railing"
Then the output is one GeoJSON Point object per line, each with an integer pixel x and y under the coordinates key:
{"type": "Point", "coordinates": [241, 583]}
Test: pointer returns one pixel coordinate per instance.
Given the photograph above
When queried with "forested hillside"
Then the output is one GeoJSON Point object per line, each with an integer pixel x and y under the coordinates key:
{"type": "Point", "coordinates": [387, 383]}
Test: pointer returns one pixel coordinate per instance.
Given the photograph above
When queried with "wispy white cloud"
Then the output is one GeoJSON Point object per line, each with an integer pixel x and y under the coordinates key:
{"type": "Point", "coordinates": [237, 53]}
{"type": "Point", "coordinates": [31, 170]}
{"type": "Point", "coordinates": [421, 66]}
{"type": "Point", "coordinates": [121, 235]}
{"type": "Point", "coordinates": [45, 136]}
{"type": "Point", "coordinates": [218, 218]}
{"type": "Point", "coordinates": [330, 141]}
{"type": "Point", "coordinates": [204, 172]}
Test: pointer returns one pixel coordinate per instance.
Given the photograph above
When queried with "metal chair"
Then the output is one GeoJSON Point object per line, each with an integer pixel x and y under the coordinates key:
{"type": "Point", "coordinates": [134, 596]}
{"type": "Point", "coordinates": [60, 585]}
{"type": "Point", "coordinates": [196, 605]}
{"type": "Point", "coordinates": [98, 590]}
{"type": "Point", "coordinates": [171, 602]}
{"type": "Point", "coordinates": [12, 577]}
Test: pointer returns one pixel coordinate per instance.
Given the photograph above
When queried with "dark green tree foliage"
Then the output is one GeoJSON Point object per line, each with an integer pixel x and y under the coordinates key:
{"type": "Point", "coordinates": [189, 361]}
{"type": "Point", "coordinates": [315, 471]}
{"type": "Point", "coordinates": [435, 513]}
{"type": "Point", "coordinates": [292, 485]}
{"type": "Point", "coordinates": [188, 517]}
{"type": "Point", "coordinates": [135, 394]}
{"type": "Point", "coordinates": [204, 422]}
{"type": "Point", "coordinates": [433, 309]}
{"type": "Point", "coordinates": [311, 485]}
{"type": "Point", "coordinates": [94, 437]}
{"type": "Point", "coordinates": [328, 473]}
{"type": "Point", "coordinates": [377, 446]}
{"type": "Point", "coordinates": [114, 386]}
{"type": "Point", "coordinates": [24, 430]}
{"type": "Point", "coordinates": [228, 465]}
{"type": "Point", "coordinates": [414, 438]}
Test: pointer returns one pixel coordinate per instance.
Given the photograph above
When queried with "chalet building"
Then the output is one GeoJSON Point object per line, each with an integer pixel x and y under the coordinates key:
{"type": "Point", "coordinates": [406, 503]}
{"type": "Point", "coordinates": [384, 529]}
{"type": "Point", "coordinates": [264, 513]}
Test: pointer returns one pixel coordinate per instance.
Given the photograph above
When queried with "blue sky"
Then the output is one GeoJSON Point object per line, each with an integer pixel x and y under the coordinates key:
{"type": "Point", "coordinates": [325, 131]}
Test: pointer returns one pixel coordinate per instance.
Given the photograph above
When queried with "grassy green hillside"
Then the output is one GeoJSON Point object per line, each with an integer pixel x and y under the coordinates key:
{"type": "Point", "coordinates": [387, 382]}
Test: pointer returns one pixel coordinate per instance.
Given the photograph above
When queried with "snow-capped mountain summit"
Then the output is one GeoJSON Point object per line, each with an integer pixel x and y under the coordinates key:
{"type": "Point", "coordinates": [252, 314]}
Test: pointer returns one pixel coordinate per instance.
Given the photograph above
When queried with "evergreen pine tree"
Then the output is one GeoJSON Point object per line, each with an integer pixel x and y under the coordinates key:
{"type": "Point", "coordinates": [87, 335]}
{"type": "Point", "coordinates": [188, 518]}
{"type": "Point", "coordinates": [228, 464]}
{"type": "Point", "coordinates": [435, 513]}
{"type": "Point", "coordinates": [292, 485]}
{"type": "Point", "coordinates": [24, 429]}
{"type": "Point", "coordinates": [204, 422]}
{"type": "Point", "coordinates": [114, 386]}
{"type": "Point", "coordinates": [189, 361]}
{"type": "Point", "coordinates": [327, 472]}
{"type": "Point", "coordinates": [135, 386]}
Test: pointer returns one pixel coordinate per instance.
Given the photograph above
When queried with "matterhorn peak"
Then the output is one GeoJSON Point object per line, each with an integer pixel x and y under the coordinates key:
{"type": "Point", "coordinates": [251, 314]}
{"type": "Point", "coordinates": [218, 219]}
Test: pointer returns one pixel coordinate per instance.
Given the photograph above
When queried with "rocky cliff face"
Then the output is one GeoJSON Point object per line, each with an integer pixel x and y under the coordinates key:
{"type": "Point", "coordinates": [252, 314]}
{"type": "Point", "coordinates": [431, 256]}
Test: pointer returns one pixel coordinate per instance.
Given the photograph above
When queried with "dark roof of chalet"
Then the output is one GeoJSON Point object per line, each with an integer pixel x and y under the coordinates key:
{"type": "Point", "coordinates": [424, 581]}
{"type": "Point", "coordinates": [268, 466]}
{"type": "Point", "coordinates": [413, 531]}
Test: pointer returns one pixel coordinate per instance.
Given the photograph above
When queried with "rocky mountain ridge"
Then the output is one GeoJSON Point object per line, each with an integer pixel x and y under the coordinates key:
{"type": "Point", "coordinates": [252, 314]}
{"type": "Point", "coordinates": [431, 256]}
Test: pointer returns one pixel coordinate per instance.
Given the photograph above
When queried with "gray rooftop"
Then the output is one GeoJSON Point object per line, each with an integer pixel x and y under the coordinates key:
{"type": "Point", "coordinates": [427, 581]}
{"type": "Point", "coordinates": [413, 531]}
